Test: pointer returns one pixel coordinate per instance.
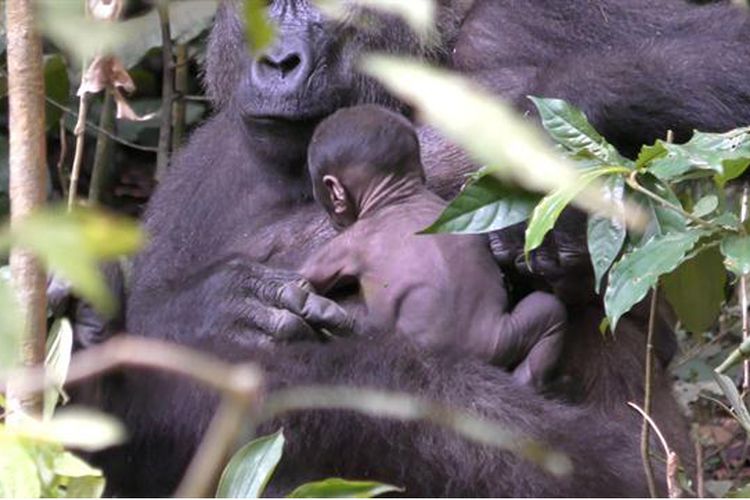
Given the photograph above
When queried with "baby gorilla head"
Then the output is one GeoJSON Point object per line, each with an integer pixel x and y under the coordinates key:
{"type": "Point", "coordinates": [361, 158]}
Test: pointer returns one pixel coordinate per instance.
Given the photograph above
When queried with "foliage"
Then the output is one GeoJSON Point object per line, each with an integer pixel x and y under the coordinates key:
{"type": "Point", "coordinates": [251, 468]}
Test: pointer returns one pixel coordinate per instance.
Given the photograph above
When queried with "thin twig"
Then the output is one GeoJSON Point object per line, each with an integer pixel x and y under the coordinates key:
{"type": "Point", "coordinates": [700, 487]}
{"type": "Point", "coordinates": [673, 461]}
{"type": "Point", "coordinates": [61, 160]}
{"type": "Point", "coordinates": [645, 453]}
{"type": "Point", "coordinates": [80, 133]}
{"type": "Point", "coordinates": [95, 127]}
{"type": "Point", "coordinates": [180, 88]}
{"type": "Point", "coordinates": [167, 89]}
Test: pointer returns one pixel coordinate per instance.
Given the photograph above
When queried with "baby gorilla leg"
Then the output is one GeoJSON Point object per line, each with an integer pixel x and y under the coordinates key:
{"type": "Point", "coordinates": [530, 339]}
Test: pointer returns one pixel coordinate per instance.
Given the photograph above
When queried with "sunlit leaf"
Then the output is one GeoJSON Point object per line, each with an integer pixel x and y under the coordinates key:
{"type": "Point", "coordinates": [11, 323]}
{"type": "Point", "coordinates": [548, 210]}
{"type": "Point", "coordinates": [419, 14]}
{"type": "Point", "coordinates": [341, 488]}
{"type": "Point", "coordinates": [18, 475]}
{"type": "Point", "coordinates": [637, 272]}
{"type": "Point", "coordinates": [57, 362]}
{"type": "Point", "coordinates": [486, 128]}
{"type": "Point", "coordinates": [484, 205]}
{"type": "Point", "coordinates": [568, 126]}
{"type": "Point", "coordinates": [80, 428]}
{"type": "Point", "coordinates": [248, 472]}
{"type": "Point", "coordinates": [259, 29]}
{"type": "Point", "coordinates": [606, 235]}
{"type": "Point", "coordinates": [736, 250]}
{"type": "Point", "coordinates": [696, 290]}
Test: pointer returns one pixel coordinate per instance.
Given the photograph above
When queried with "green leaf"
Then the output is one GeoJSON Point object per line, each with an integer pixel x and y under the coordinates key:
{"type": "Point", "coordinates": [489, 130]}
{"type": "Point", "coordinates": [484, 205]}
{"type": "Point", "coordinates": [606, 236]}
{"type": "Point", "coordinates": [68, 465]}
{"type": "Point", "coordinates": [84, 429]}
{"type": "Point", "coordinates": [57, 362]}
{"type": "Point", "coordinates": [419, 14]}
{"type": "Point", "coordinates": [248, 472]}
{"type": "Point", "coordinates": [706, 205]}
{"type": "Point", "coordinates": [739, 410]}
{"type": "Point", "coordinates": [71, 244]}
{"type": "Point", "coordinates": [662, 220]}
{"type": "Point", "coordinates": [638, 271]}
{"type": "Point", "coordinates": [259, 30]}
{"type": "Point", "coordinates": [727, 154]}
{"type": "Point", "coordinates": [548, 210]}
{"type": "Point", "coordinates": [56, 87]}
{"type": "Point", "coordinates": [736, 250]}
{"type": "Point", "coordinates": [18, 476]}
{"type": "Point", "coordinates": [569, 127]}
{"type": "Point", "coordinates": [85, 487]}
{"type": "Point", "coordinates": [341, 488]}
{"type": "Point", "coordinates": [696, 290]}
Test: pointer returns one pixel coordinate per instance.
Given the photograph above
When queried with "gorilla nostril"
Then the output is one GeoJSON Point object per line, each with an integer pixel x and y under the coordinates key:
{"type": "Point", "coordinates": [284, 65]}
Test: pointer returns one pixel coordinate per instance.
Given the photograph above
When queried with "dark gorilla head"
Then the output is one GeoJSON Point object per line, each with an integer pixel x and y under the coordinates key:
{"type": "Point", "coordinates": [310, 70]}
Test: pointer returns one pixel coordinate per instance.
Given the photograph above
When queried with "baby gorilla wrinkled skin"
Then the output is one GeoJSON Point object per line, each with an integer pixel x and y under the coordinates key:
{"type": "Point", "coordinates": [439, 290]}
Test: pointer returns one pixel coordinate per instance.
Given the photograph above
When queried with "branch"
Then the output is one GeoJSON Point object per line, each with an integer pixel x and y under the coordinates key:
{"type": "Point", "coordinates": [167, 89]}
{"type": "Point", "coordinates": [645, 454]}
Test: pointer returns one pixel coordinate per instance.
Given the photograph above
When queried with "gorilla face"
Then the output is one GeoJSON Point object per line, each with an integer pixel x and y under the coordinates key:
{"type": "Point", "coordinates": [310, 70]}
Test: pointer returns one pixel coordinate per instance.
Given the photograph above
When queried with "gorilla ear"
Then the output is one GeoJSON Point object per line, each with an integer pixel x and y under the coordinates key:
{"type": "Point", "coordinates": [336, 193]}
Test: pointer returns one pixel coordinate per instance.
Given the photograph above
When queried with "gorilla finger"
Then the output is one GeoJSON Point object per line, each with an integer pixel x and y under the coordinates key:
{"type": "Point", "coordinates": [280, 324]}
{"type": "Point", "coordinates": [316, 310]}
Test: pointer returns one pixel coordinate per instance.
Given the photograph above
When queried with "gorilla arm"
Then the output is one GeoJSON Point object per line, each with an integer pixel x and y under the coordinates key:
{"type": "Point", "coordinates": [334, 262]}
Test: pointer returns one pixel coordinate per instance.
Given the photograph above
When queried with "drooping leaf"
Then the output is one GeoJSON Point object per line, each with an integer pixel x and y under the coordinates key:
{"type": "Point", "coordinates": [258, 28]}
{"type": "Point", "coordinates": [57, 362]}
{"type": "Point", "coordinates": [486, 128]}
{"type": "Point", "coordinates": [484, 205]}
{"type": "Point", "coordinates": [570, 128]}
{"type": "Point", "coordinates": [696, 290]}
{"type": "Point", "coordinates": [739, 410]}
{"type": "Point", "coordinates": [637, 272]}
{"type": "Point", "coordinates": [419, 14]}
{"type": "Point", "coordinates": [341, 488]}
{"type": "Point", "coordinates": [606, 235]}
{"type": "Point", "coordinates": [548, 210]}
{"type": "Point", "coordinates": [736, 250]}
{"type": "Point", "coordinates": [18, 475]}
{"type": "Point", "coordinates": [248, 472]}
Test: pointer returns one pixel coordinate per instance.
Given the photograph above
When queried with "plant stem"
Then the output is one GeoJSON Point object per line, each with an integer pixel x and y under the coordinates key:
{"type": "Point", "coordinates": [101, 171]}
{"type": "Point", "coordinates": [181, 87]}
{"type": "Point", "coordinates": [28, 182]}
{"type": "Point", "coordinates": [743, 299]}
{"type": "Point", "coordinates": [645, 452]}
{"type": "Point", "coordinates": [80, 133]}
{"type": "Point", "coordinates": [167, 90]}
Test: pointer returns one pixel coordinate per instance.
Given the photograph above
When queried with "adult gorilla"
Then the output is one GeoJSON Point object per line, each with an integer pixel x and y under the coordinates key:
{"type": "Point", "coordinates": [239, 189]}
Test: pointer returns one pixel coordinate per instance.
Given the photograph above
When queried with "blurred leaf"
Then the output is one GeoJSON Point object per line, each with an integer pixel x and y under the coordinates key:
{"type": "Point", "coordinates": [71, 245]}
{"type": "Point", "coordinates": [485, 127]}
{"type": "Point", "coordinates": [568, 126]}
{"type": "Point", "coordinates": [419, 14]}
{"type": "Point", "coordinates": [736, 250]}
{"type": "Point", "coordinates": [706, 205]}
{"type": "Point", "coordinates": [248, 472]}
{"type": "Point", "coordinates": [638, 271]}
{"type": "Point", "coordinates": [545, 214]}
{"type": "Point", "coordinates": [11, 323]}
{"type": "Point", "coordinates": [80, 479]}
{"type": "Point", "coordinates": [739, 410]}
{"type": "Point", "coordinates": [57, 362]}
{"type": "Point", "coordinates": [67, 464]}
{"type": "Point", "coordinates": [727, 154]}
{"type": "Point", "coordinates": [56, 87]}
{"type": "Point", "coordinates": [18, 475]}
{"type": "Point", "coordinates": [606, 236]}
{"type": "Point", "coordinates": [341, 488]}
{"type": "Point", "coordinates": [696, 290]}
{"type": "Point", "coordinates": [484, 205]}
{"type": "Point", "coordinates": [259, 29]}
{"type": "Point", "coordinates": [83, 429]}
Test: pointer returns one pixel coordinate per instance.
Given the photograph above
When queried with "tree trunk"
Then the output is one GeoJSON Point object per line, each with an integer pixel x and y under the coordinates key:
{"type": "Point", "coordinates": [27, 177]}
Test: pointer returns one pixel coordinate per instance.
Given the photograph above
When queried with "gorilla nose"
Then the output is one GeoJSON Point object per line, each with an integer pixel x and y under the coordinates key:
{"type": "Point", "coordinates": [284, 67]}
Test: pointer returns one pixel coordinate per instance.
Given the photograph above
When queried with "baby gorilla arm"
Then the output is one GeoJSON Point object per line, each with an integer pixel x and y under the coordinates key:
{"type": "Point", "coordinates": [530, 339]}
{"type": "Point", "coordinates": [335, 261]}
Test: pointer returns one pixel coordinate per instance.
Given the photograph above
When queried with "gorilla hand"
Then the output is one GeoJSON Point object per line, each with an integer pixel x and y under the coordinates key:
{"type": "Point", "coordinates": [283, 305]}
{"type": "Point", "coordinates": [561, 264]}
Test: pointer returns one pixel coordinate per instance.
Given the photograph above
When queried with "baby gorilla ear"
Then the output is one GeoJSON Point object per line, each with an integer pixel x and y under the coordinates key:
{"type": "Point", "coordinates": [337, 194]}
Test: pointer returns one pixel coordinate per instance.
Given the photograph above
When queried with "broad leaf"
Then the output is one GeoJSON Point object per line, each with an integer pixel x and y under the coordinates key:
{"type": "Point", "coordinates": [248, 472]}
{"type": "Point", "coordinates": [570, 128]}
{"type": "Point", "coordinates": [736, 250]}
{"type": "Point", "coordinates": [739, 410]}
{"type": "Point", "coordinates": [606, 236]}
{"type": "Point", "coordinates": [637, 272]}
{"type": "Point", "coordinates": [696, 290]}
{"type": "Point", "coordinates": [259, 30]}
{"type": "Point", "coordinates": [18, 475]}
{"type": "Point", "coordinates": [57, 361]}
{"type": "Point", "coordinates": [706, 205]}
{"type": "Point", "coordinates": [484, 205]}
{"type": "Point", "coordinates": [548, 210]}
{"type": "Point", "coordinates": [81, 428]}
{"type": "Point", "coordinates": [81, 480]}
{"type": "Point", "coordinates": [341, 488]}
{"type": "Point", "coordinates": [419, 14]}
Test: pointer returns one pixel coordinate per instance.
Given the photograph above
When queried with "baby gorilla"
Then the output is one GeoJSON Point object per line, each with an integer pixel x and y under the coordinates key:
{"type": "Point", "coordinates": [438, 290]}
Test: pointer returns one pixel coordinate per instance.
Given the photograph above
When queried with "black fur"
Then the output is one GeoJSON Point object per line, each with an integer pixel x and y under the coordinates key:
{"type": "Point", "coordinates": [239, 187]}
